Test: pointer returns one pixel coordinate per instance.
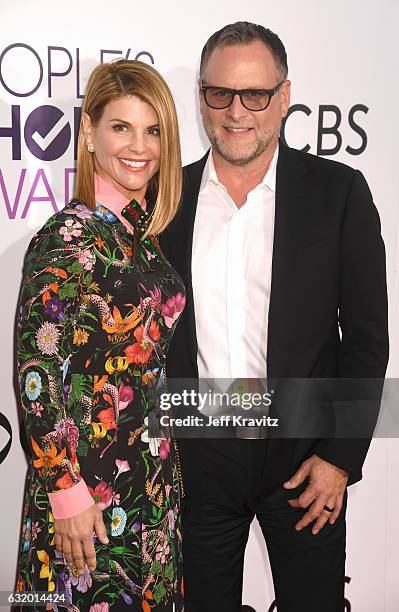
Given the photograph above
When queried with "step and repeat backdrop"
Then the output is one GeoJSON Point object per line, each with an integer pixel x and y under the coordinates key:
{"type": "Point", "coordinates": [343, 60]}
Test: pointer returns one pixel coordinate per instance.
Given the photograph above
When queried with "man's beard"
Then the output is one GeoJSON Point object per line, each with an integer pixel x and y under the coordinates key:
{"type": "Point", "coordinates": [262, 142]}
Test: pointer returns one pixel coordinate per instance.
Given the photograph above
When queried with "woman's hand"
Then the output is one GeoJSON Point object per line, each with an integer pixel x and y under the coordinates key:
{"type": "Point", "coordinates": [74, 537]}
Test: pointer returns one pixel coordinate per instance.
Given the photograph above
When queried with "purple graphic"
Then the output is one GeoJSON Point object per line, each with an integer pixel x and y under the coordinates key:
{"type": "Point", "coordinates": [47, 133]}
{"type": "Point", "coordinates": [36, 57]}
{"type": "Point", "coordinates": [14, 201]}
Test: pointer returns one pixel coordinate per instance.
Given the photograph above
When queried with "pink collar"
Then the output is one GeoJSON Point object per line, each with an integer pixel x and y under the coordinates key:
{"type": "Point", "coordinates": [110, 197]}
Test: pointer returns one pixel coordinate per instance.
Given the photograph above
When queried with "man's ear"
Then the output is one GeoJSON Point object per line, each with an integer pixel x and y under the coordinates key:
{"type": "Point", "coordinates": [201, 100]}
{"type": "Point", "coordinates": [285, 97]}
{"type": "Point", "coordinates": [199, 87]}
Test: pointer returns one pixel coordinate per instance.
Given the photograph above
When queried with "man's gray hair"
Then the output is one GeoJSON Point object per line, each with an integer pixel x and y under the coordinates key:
{"type": "Point", "coordinates": [243, 33]}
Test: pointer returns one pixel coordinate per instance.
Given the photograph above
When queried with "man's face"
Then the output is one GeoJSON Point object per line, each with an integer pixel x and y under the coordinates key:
{"type": "Point", "coordinates": [238, 135]}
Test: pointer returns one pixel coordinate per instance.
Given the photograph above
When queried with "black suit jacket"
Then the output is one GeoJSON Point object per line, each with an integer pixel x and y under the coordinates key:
{"type": "Point", "coordinates": [328, 271]}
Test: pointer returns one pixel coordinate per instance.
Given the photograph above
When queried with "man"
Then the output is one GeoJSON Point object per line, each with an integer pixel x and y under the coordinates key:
{"type": "Point", "coordinates": [284, 267]}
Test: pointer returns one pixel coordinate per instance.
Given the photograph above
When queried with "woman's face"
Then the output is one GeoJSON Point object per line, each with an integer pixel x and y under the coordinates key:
{"type": "Point", "coordinates": [126, 144]}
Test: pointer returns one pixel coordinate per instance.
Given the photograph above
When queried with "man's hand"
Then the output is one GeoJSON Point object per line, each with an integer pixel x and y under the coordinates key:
{"type": "Point", "coordinates": [74, 537]}
{"type": "Point", "coordinates": [327, 484]}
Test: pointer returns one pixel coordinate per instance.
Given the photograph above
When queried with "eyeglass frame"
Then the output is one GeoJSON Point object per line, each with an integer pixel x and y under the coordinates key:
{"type": "Point", "coordinates": [240, 92]}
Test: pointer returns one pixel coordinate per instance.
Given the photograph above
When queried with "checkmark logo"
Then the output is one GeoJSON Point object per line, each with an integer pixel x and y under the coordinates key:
{"type": "Point", "coordinates": [47, 132]}
{"type": "Point", "coordinates": [45, 141]}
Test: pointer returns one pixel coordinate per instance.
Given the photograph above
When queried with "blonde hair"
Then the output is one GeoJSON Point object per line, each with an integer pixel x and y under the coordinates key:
{"type": "Point", "coordinates": [121, 78]}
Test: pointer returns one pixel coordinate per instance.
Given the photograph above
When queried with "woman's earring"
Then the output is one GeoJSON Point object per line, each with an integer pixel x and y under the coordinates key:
{"type": "Point", "coordinates": [90, 147]}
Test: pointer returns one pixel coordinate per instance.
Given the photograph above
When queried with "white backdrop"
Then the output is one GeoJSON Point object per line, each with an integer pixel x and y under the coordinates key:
{"type": "Point", "coordinates": [342, 55]}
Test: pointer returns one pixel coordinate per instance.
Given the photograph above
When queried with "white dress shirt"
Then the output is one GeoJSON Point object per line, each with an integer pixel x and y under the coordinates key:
{"type": "Point", "coordinates": [231, 276]}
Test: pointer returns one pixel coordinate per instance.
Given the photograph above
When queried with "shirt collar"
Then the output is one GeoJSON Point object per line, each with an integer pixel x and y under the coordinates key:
{"type": "Point", "coordinates": [111, 205]}
{"type": "Point", "coordinates": [107, 195]}
{"type": "Point", "coordinates": [269, 180]}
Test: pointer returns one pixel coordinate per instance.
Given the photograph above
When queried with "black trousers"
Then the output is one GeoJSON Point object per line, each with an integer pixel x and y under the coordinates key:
{"type": "Point", "coordinates": [223, 497]}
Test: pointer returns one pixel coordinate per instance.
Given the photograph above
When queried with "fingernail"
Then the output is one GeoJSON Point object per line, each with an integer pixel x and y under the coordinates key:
{"type": "Point", "coordinates": [106, 540]}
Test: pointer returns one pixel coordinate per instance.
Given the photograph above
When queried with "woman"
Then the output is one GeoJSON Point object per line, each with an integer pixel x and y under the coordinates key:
{"type": "Point", "coordinates": [99, 303]}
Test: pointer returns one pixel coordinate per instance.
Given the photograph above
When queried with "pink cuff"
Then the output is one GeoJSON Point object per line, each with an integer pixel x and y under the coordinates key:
{"type": "Point", "coordinates": [72, 501]}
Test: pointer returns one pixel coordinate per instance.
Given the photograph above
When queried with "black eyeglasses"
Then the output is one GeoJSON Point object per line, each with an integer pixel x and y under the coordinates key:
{"type": "Point", "coordinates": [251, 99]}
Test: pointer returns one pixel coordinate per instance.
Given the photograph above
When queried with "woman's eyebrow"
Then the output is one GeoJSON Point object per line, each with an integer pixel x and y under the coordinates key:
{"type": "Point", "coordinates": [154, 125]}
{"type": "Point", "coordinates": [120, 120]}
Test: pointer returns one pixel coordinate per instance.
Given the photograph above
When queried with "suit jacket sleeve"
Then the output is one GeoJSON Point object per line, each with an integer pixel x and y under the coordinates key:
{"type": "Point", "coordinates": [363, 319]}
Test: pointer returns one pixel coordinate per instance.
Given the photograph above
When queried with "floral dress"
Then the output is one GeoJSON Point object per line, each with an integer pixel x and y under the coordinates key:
{"type": "Point", "coordinates": [97, 311]}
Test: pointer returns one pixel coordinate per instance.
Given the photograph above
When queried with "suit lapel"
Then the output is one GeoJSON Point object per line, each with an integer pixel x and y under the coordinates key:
{"type": "Point", "coordinates": [288, 226]}
{"type": "Point", "coordinates": [182, 247]}
{"type": "Point", "coordinates": [180, 243]}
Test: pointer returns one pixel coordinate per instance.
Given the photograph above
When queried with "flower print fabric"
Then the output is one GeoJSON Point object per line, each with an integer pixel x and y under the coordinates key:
{"type": "Point", "coordinates": [97, 310]}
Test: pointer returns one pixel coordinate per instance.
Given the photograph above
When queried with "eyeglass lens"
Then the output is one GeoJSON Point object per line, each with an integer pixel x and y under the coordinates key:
{"type": "Point", "coordinates": [252, 99]}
